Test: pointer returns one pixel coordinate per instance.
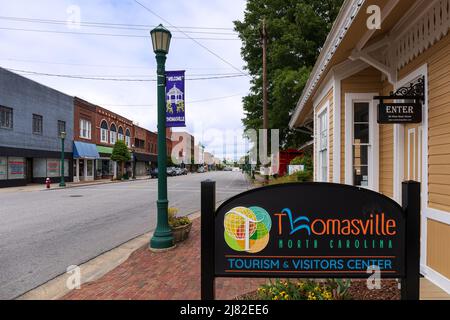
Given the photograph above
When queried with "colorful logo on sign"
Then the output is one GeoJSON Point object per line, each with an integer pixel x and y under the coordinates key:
{"type": "Point", "coordinates": [247, 229]}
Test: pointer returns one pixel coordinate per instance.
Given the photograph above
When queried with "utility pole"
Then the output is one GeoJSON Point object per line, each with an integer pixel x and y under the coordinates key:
{"type": "Point", "coordinates": [264, 47]}
{"type": "Point", "coordinates": [265, 108]}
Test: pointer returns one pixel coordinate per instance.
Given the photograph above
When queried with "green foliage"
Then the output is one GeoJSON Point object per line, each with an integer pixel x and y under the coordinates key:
{"type": "Point", "coordinates": [300, 290]}
{"type": "Point", "coordinates": [340, 288]}
{"type": "Point", "coordinates": [175, 221]}
{"type": "Point", "coordinates": [120, 152]}
{"type": "Point", "coordinates": [297, 31]}
{"type": "Point", "coordinates": [304, 176]}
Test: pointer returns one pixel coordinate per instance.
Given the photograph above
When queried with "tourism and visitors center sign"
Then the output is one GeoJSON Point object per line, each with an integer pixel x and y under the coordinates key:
{"type": "Point", "coordinates": [311, 230]}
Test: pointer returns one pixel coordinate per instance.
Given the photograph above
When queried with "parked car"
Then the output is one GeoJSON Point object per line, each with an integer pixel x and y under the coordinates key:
{"type": "Point", "coordinates": [227, 169]}
{"type": "Point", "coordinates": [201, 170]}
{"type": "Point", "coordinates": [154, 173]}
{"type": "Point", "coordinates": [171, 172]}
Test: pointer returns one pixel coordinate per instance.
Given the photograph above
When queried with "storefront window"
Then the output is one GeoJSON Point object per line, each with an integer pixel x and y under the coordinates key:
{"type": "Point", "coordinates": [90, 167]}
{"type": "Point", "coordinates": [16, 168]}
{"type": "Point", "coordinates": [53, 169]}
{"type": "Point", "coordinates": [3, 168]}
{"type": "Point", "coordinates": [39, 168]}
{"type": "Point", "coordinates": [361, 144]}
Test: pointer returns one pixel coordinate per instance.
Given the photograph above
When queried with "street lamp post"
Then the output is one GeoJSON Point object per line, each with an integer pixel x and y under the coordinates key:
{"type": "Point", "coordinates": [62, 183]}
{"type": "Point", "coordinates": [162, 237]}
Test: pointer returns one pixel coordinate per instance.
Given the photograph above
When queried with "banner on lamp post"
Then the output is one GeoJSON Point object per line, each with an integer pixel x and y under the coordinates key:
{"type": "Point", "coordinates": [175, 99]}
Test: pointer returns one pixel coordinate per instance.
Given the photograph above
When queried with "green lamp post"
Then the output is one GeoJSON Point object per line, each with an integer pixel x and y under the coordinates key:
{"type": "Point", "coordinates": [162, 237]}
{"type": "Point", "coordinates": [63, 137]}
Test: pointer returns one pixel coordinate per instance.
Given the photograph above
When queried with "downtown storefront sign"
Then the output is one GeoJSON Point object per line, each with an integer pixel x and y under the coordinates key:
{"type": "Point", "coordinates": [304, 230]}
{"type": "Point", "coordinates": [175, 99]}
{"type": "Point", "coordinates": [408, 111]}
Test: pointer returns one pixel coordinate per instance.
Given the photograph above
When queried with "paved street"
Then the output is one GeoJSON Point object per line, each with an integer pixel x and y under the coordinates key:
{"type": "Point", "coordinates": [44, 232]}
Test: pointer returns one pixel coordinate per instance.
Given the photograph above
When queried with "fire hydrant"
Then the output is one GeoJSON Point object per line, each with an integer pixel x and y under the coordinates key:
{"type": "Point", "coordinates": [47, 183]}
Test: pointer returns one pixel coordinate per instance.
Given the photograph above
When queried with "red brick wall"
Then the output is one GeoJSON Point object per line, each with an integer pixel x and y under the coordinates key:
{"type": "Point", "coordinates": [84, 110]}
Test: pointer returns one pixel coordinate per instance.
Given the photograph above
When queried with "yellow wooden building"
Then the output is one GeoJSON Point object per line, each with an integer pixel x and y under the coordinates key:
{"type": "Point", "coordinates": [360, 60]}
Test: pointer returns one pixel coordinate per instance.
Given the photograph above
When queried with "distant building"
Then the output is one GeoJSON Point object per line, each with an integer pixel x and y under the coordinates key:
{"type": "Point", "coordinates": [32, 117]}
{"type": "Point", "coordinates": [183, 152]}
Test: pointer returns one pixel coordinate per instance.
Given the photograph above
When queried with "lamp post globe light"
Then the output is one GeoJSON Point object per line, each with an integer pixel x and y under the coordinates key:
{"type": "Point", "coordinates": [63, 137]}
{"type": "Point", "coordinates": [162, 237]}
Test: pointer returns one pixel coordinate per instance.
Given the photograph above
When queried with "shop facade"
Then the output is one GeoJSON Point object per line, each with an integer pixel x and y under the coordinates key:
{"type": "Point", "coordinates": [407, 57]}
{"type": "Point", "coordinates": [32, 118]}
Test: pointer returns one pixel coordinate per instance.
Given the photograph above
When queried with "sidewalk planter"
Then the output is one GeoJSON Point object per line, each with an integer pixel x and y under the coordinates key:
{"type": "Point", "coordinates": [181, 233]}
{"type": "Point", "coordinates": [180, 226]}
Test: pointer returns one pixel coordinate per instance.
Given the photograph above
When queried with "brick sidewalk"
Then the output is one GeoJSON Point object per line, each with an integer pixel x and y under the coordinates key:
{"type": "Point", "coordinates": [172, 275]}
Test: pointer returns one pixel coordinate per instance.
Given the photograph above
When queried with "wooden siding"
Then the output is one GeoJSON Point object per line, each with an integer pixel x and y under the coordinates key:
{"type": "Point", "coordinates": [438, 254]}
{"type": "Point", "coordinates": [386, 133]}
{"type": "Point", "coordinates": [438, 60]}
{"type": "Point", "coordinates": [368, 80]}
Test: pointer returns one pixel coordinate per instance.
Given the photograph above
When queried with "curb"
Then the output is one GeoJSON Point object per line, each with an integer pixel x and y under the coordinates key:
{"type": "Point", "coordinates": [91, 270]}
{"type": "Point", "coordinates": [94, 184]}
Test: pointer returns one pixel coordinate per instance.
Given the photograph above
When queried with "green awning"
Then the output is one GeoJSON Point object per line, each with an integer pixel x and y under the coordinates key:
{"type": "Point", "coordinates": [104, 150]}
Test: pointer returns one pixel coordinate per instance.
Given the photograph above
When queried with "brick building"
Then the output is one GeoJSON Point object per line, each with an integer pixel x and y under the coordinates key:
{"type": "Point", "coordinates": [143, 153]}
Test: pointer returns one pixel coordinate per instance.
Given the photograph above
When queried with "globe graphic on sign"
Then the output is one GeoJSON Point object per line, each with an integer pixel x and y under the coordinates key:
{"type": "Point", "coordinates": [235, 222]}
{"type": "Point", "coordinates": [247, 229]}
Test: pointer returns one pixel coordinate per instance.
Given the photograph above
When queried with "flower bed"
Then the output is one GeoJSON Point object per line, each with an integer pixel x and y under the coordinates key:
{"type": "Point", "coordinates": [324, 290]}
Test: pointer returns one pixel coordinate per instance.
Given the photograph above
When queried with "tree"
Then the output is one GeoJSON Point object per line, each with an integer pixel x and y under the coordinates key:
{"type": "Point", "coordinates": [297, 31]}
{"type": "Point", "coordinates": [121, 154]}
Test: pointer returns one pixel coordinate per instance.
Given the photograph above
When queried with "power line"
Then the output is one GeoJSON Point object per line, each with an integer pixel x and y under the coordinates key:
{"type": "Point", "coordinates": [188, 102]}
{"type": "Point", "coordinates": [81, 77]}
{"type": "Point", "coordinates": [109, 34]}
{"type": "Point", "coordinates": [193, 39]}
{"type": "Point", "coordinates": [108, 24]}
{"type": "Point", "coordinates": [105, 25]}
{"type": "Point", "coordinates": [101, 65]}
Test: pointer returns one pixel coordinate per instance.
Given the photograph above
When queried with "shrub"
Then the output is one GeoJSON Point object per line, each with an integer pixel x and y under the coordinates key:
{"type": "Point", "coordinates": [300, 290]}
{"type": "Point", "coordinates": [175, 221]}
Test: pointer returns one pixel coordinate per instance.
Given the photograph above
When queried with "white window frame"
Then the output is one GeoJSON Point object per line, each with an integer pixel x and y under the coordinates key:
{"type": "Point", "coordinates": [104, 133]}
{"type": "Point", "coordinates": [373, 161]}
{"type": "Point", "coordinates": [112, 134]}
{"type": "Point", "coordinates": [120, 136]}
{"type": "Point", "coordinates": [85, 129]}
{"type": "Point", "coordinates": [323, 112]}
{"type": "Point", "coordinates": [128, 138]}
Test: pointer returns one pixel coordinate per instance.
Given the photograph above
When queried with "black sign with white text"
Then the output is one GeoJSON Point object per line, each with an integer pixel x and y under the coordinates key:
{"type": "Point", "coordinates": [390, 113]}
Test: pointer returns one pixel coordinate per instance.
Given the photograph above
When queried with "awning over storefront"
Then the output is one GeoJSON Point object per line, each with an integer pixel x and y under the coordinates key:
{"type": "Point", "coordinates": [104, 150]}
{"type": "Point", "coordinates": [145, 157]}
{"type": "Point", "coordinates": [85, 150]}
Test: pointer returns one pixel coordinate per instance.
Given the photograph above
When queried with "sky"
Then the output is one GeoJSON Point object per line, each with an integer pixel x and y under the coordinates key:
{"type": "Point", "coordinates": [213, 107]}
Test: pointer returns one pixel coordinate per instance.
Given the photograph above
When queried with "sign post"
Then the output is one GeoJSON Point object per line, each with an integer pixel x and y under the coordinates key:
{"type": "Point", "coordinates": [289, 231]}
{"type": "Point", "coordinates": [411, 207]}
{"type": "Point", "coordinates": [208, 213]}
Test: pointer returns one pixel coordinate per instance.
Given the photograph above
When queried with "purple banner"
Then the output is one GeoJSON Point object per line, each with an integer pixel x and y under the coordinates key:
{"type": "Point", "coordinates": [175, 99]}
